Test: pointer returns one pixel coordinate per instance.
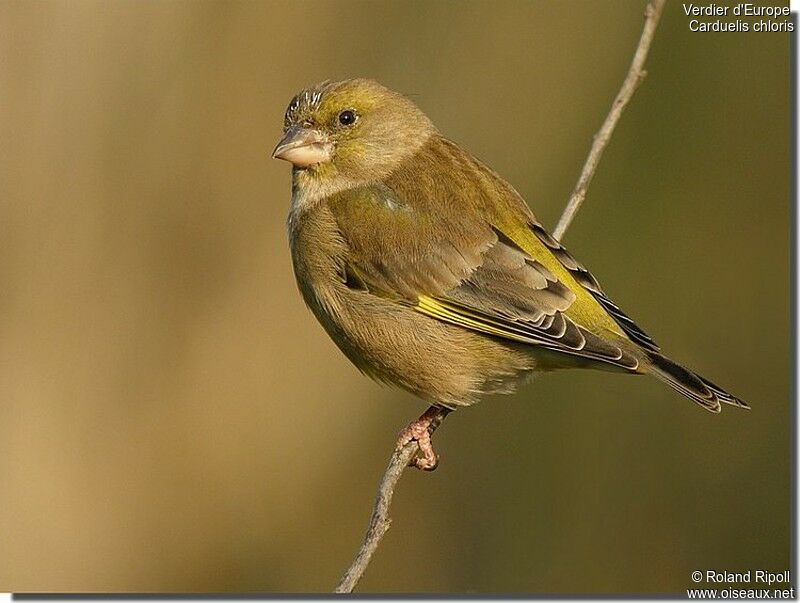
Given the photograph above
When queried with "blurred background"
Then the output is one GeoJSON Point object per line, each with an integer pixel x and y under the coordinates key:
{"type": "Point", "coordinates": [174, 419]}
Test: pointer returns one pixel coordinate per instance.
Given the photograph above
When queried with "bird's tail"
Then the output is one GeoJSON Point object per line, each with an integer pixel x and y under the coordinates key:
{"type": "Point", "coordinates": [691, 385]}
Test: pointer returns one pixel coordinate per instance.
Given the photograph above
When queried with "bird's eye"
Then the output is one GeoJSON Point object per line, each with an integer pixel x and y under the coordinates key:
{"type": "Point", "coordinates": [347, 117]}
{"type": "Point", "coordinates": [294, 104]}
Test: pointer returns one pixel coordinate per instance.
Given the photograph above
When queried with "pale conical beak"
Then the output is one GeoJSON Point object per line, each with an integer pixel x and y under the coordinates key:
{"type": "Point", "coordinates": [303, 147]}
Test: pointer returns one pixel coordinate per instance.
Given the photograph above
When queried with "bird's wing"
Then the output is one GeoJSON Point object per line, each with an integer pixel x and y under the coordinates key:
{"type": "Point", "coordinates": [513, 296]}
{"type": "Point", "coordinates": [459, 245]}
{"type": "Point", "coordinates": [586, 280]}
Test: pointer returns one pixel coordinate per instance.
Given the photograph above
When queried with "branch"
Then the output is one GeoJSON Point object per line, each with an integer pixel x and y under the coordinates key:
{"type": "Point", "coordinates": [636, 74]}
{"type": "Point", "coordinates": [379, 521]}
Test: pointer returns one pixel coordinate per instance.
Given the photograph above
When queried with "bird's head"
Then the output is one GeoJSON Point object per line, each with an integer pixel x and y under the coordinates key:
{"type": "Point", "coordinates": [354, 130]}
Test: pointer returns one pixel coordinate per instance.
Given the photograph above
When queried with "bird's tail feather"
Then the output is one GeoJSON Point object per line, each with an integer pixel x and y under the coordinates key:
{"type": "Point", "coordinates": [692, 385]}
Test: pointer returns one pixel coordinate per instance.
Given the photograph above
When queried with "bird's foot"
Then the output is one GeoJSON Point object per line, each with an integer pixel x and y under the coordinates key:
{"type": "Point", "coordinates": [419, 430]}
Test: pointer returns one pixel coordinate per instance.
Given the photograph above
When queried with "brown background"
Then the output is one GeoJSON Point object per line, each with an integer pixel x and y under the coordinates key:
{"type": "Point", "coordinates": [174, 419]}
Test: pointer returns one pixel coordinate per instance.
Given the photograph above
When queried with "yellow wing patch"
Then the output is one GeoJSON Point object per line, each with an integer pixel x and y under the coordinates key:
{"type": "Point", "coordinates": [459, 316]}
{"type": "Point", "coordinates": [579, 342]}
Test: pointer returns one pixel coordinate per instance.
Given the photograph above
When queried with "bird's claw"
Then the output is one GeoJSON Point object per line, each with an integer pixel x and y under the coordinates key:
{"type": "Point", "coordinates": [418, 431]}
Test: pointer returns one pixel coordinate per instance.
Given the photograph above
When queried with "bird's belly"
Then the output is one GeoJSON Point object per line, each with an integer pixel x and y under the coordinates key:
{"type": "Point", "coordinates": [441, 363]}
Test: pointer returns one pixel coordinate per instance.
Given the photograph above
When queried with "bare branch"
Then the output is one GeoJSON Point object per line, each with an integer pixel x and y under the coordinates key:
{"type": "Point", "coordinates": [636, 74]}
{"type": "Point", "coordinates": [379, 521]}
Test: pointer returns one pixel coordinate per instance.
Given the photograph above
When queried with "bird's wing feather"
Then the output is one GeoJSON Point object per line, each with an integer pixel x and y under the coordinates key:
{"type": "Point", "coordinates": [589, 283]}
{"type": "Point", "coordinates": [511, 295]}
{"type": "Point", "coordinates": [459, 245]}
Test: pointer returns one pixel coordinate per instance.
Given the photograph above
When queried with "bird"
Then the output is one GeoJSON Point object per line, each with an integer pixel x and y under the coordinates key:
{"type": "Point", "coordinates": [430, 272]}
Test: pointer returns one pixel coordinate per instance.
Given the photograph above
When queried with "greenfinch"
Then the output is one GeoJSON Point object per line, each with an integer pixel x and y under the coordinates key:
{"type": "Point", "coordinates": [430, 272]}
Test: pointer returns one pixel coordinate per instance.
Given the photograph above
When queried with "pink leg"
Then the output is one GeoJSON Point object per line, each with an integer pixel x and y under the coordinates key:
{"type": "Point", "coordinates": [418, 430]}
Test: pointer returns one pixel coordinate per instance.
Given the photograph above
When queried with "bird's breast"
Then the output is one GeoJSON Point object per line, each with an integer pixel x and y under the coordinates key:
{"type": "Point", "coordinates": [318, 255]}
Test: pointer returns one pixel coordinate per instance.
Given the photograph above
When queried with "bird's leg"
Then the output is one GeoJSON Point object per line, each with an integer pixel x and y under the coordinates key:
{"type": "Point", "coordinates": [420, 431]}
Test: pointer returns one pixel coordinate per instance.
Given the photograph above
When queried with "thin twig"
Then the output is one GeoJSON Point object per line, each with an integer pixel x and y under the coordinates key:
{"type": "Point", "coordinates": [636, 74]}
{"type": "Point", "coordinates": [379, 521]}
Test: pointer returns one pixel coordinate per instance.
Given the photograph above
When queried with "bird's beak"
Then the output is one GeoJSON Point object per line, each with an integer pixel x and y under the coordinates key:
{"type": "Point", "coordinates": [303, 147]}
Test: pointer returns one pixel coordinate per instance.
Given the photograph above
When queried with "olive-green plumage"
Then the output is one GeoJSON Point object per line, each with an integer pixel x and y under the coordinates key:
{"type": "Point", "coordinates": [429, 271]}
